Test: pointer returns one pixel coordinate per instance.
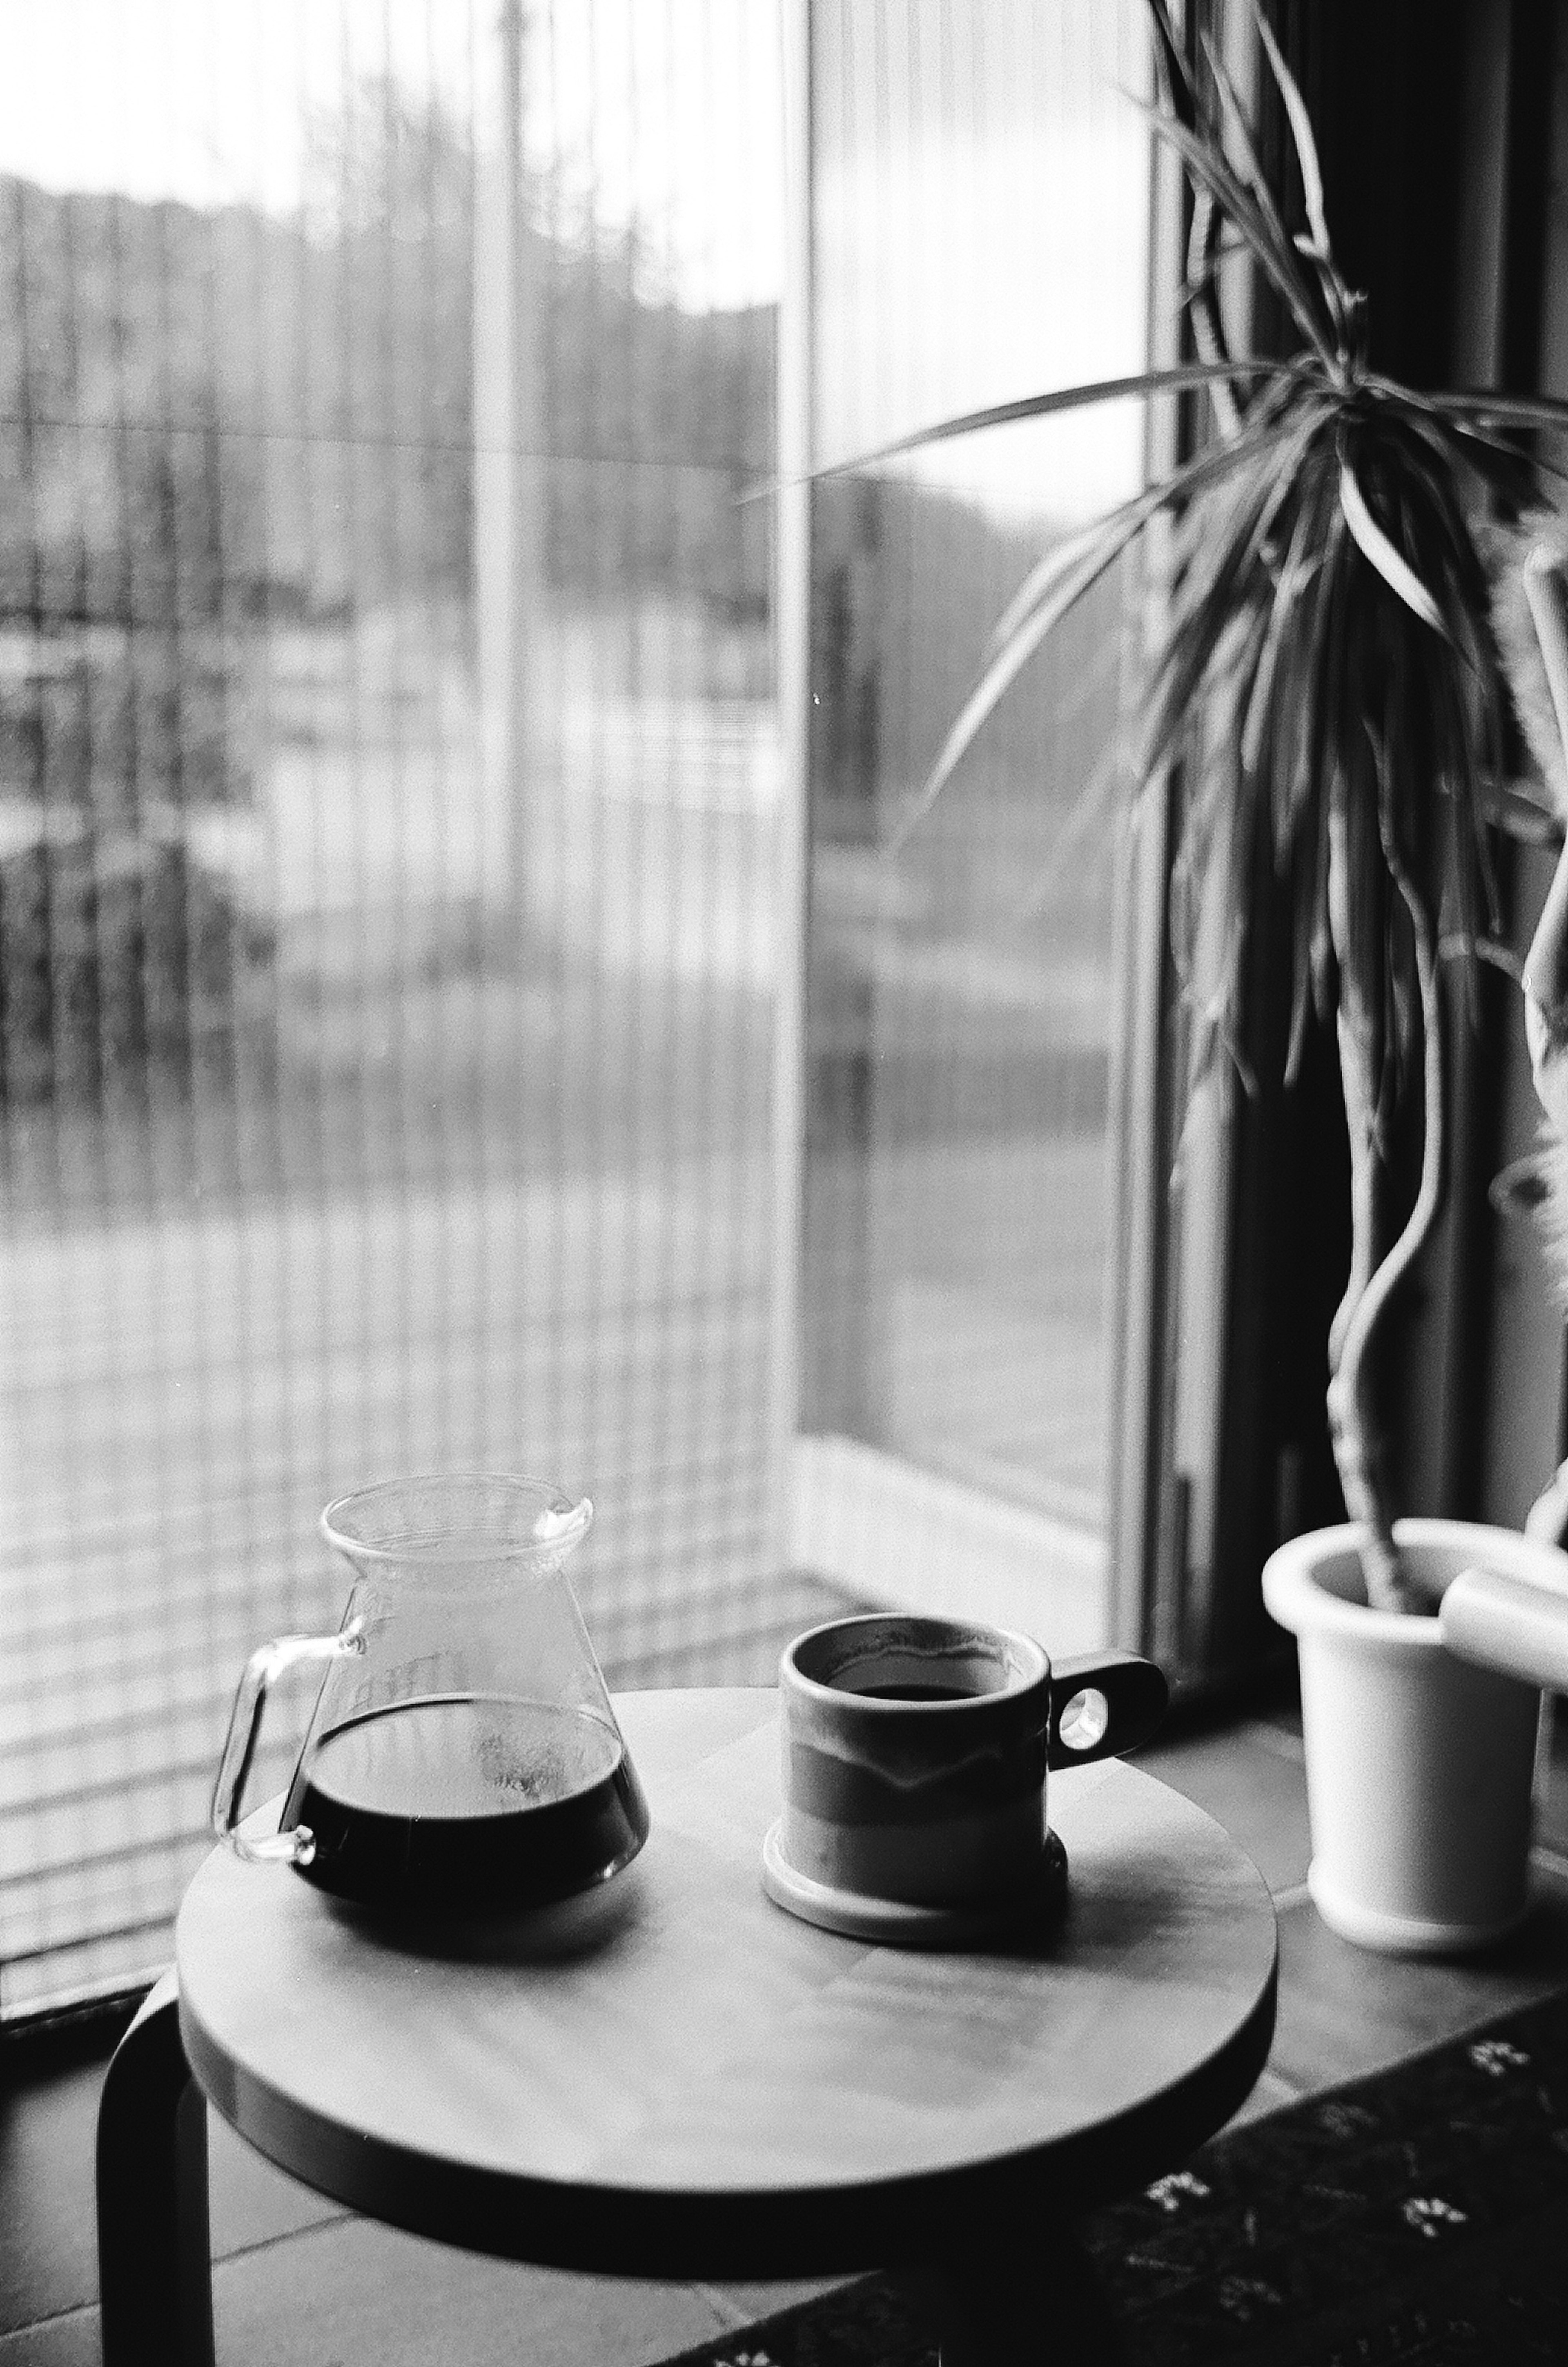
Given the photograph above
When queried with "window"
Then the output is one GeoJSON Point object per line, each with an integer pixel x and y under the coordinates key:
{"type": "Point", "coordinates": [403, 903]}
{"type": "Point", "coordinates": [980, 217]}
{"type": "Point", "coordinates": [390, 798]}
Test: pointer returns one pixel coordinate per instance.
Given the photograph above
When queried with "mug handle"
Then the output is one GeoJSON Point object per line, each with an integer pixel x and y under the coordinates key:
{"type": "Point", "coordinates": [1125, 1699]}
{"type": "Point", "coordinates": [264, 1666]}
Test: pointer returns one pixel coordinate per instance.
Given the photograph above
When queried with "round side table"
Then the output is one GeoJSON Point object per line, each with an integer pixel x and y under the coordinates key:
{"type": "Point", "coordinates": [677, 2078]}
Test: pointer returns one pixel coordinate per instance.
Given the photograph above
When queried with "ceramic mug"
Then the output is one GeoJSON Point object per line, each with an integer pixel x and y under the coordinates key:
{"type": "Point", "coordinates": [916, 1752]}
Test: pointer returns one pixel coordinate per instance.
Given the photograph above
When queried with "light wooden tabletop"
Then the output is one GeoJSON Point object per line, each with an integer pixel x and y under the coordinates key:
{"type": "Point", "coordinates": [682, 2080]}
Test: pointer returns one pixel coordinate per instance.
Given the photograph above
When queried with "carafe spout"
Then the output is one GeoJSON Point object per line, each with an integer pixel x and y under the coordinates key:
{"type": "Point", "coordinates": [560, 1526]}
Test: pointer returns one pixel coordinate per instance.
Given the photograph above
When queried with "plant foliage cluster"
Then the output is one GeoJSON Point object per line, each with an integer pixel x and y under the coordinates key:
{"type": "Point", "coordinates": [1323, 670]}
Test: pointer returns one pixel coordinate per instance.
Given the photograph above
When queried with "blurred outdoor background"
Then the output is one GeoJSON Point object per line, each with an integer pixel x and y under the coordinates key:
{"type": "Point", "coordinates": [401, 922]}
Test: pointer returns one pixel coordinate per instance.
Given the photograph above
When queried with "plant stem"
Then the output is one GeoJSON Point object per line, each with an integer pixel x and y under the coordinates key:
{"type": "Point", "coordinates": [1357, 1444]}
{"type": "Point", "coordinates": [1355, 1069]}
{"type": "Point", "coordinates": [1353, 1028]}
{"type": "Point", "coordinates": [1208, 325]}
{"type": "Point", "coordinates": [1353, 1425]}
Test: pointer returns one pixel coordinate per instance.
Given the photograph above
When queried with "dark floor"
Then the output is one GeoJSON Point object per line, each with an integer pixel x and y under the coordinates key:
{"type": "Point", "coordinates": [300, 2284]}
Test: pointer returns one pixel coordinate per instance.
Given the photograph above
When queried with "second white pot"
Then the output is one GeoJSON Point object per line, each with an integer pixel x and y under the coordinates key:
{"type": "Point", "coordinates": [1420, 1767]}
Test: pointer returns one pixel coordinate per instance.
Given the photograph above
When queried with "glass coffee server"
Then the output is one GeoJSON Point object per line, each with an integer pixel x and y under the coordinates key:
{"type": "Point", "coordinates": [462, 1756]}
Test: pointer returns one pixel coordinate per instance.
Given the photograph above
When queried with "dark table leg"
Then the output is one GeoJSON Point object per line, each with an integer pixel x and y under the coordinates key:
{"type": "Point", "coordinates": [1032, 2302]}
{"type": "Point", "coordinates": [154, 2251]}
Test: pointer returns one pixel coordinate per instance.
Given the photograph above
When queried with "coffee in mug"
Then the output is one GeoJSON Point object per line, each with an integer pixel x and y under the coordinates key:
{"type": "Point", "coordinates": [916, 1753]}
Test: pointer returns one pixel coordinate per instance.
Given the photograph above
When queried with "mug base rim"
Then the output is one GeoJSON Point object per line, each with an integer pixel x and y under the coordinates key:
{"type": "Point", "coordinates": [898, 1923]}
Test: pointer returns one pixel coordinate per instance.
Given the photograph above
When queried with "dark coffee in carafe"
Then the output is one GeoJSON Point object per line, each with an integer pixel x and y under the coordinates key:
{"type": "Point", "coordinates": [467, 1804]}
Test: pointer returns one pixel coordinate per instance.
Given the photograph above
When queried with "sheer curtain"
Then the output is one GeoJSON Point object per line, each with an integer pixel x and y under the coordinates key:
{"type": "Point", "coordinates": [390, 842]}
{"type": "Point", "coordinates": [980, 225]}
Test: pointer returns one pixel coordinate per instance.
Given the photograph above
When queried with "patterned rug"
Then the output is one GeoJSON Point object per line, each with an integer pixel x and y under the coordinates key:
{"type": "Point", "coordinates": [1420, 2216]}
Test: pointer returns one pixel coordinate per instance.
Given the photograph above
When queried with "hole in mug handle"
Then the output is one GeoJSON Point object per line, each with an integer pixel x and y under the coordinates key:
{"type": "Point", "coordinates": [1128, 1696]}
{"type": "Point", "coordinates": [1084, 1720]}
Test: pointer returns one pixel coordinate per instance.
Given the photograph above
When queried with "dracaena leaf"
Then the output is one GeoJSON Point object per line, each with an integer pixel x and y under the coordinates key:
{"type": "Point", "coordinates": [1227, 570]}
{"type": "Point", "coordinates": [1487, 949]}
{"type": "Point", "coordinates": [1091, 560]}
{"type": "Point", "coordinates": [1170, 62]}
{"type": "Point", "coordinates": [1376, 547]}
{"type": "Point", "coordinates": [1281, 265]}
{"type": "Point", "coordinates": [1257, 182]}
{"type": "Point", "coordinates": [1062, 578]}
{"type": "Point", "coordinates": [1301, 133]}
{"type": "Point", "coordinates": [1142, 383]}
{"type": "Point", "coordinates": [1218, 252]}
{"type": "Point", "coordinates": [1501, 464]}
{"type": "Point", "coordinates": [1203, 306]}
{"type": "Point", "coordinates": [1509, 410]}
{"type": "Point", "coordinates": [1205, 467]}
{"type": "Point", "coordinates": [1519, 810]}
{"type": "Point", "coordinates": [1091, 807]}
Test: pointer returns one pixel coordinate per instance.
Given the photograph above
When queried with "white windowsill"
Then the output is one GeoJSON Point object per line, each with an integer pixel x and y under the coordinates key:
{"type": "Point", "coordinates": [918, 1541]}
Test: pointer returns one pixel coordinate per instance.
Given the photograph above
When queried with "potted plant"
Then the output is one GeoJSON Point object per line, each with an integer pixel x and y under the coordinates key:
{"type": "Point", "coordinates": [1327, 668]}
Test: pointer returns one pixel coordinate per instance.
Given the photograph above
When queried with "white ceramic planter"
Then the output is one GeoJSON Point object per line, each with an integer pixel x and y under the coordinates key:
{"type": "Point", "coordinates": [1420, 1767]}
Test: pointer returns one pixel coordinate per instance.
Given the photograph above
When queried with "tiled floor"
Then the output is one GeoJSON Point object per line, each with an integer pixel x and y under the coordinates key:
{"type": "Point", "coordinates": [300, 2284]}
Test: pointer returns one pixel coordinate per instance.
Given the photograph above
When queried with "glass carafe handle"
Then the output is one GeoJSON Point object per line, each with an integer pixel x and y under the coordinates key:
{"type": "Point", "coordinates": [261, 1669]}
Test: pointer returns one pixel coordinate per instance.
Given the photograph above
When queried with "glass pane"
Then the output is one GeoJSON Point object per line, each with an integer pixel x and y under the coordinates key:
{"type": "Point", "coordinates": [980, 226]}
{"type": "Point", "coordinates": [389, 844]}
